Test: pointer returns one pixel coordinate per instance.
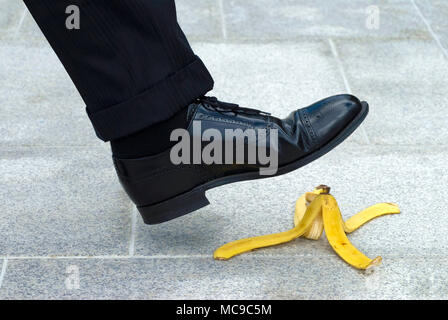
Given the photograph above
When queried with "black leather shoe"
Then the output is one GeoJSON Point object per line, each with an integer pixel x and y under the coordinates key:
{"type": "Point", "coordinates": [163, 190]}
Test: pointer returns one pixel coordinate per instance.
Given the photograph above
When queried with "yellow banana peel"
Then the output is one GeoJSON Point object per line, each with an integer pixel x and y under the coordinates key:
{"type": "Point", "coordinates": [231, 249]}
{"type": "Point", "coordinates": [368, 214]}
{"type": "Point", "coordinates": [315, 212]}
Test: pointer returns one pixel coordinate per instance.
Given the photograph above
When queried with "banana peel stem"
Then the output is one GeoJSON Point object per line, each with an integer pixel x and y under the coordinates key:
{"type": "Point", "coordinates": [375, 263]}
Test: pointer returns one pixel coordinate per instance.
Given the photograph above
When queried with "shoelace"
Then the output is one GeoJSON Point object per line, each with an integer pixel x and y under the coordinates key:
{"type": "Point", "coordinates": [220, 106]}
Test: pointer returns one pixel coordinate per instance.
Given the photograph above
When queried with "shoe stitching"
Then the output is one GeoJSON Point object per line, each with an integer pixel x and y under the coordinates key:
{"type": "Point", "coordinates": [309, 128]}
{"type": "Point", "coordinates": [223, 120]}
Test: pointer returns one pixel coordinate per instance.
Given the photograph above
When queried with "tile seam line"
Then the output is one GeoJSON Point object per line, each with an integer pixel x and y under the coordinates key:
{"type": "Point", "coordinates": [335, 53]}
{"type": "Point", "coordinates": [133, 230]}
{"type": "Point", "coordinates": [51, 146]}
{"type": "Point", "coordinates": [197, 256]}
{"type": "Point", "coordinates": [288, 41]}
{"type": "Point", "coordinates": [19, 26]}
{"type": "Point", "coordinates": [6, 148]}
{"type": "Point", "coordinates": [137, 257]}
{"type": "Point", "coordinates": [223, 19]}
{"type": "Point", "coordinates": [3, 272]}
{"type": "Point", "coordinates": [105, 257]}
{"type": "Point", "coordinates": [431, 31]}
{"type": "Point", "coordinates": [256, 41]}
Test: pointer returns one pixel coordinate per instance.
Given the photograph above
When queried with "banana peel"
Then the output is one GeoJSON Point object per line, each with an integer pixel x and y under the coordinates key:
{"type": "Point", "coordinates": [315, 212]}
{"type": "Point", "coordinates": [231, 249]}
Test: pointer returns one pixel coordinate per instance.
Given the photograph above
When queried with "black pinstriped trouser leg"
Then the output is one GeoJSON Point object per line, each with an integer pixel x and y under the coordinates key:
{"type": "Point", "coordinates": [129, 60]}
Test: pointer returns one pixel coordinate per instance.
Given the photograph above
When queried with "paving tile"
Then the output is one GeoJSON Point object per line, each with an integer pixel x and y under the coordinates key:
{"type": "Point", "coordinates": [10, 15]}
{"type": "Point", "coordinates": [291, 19]}
{"type": "Point", "coordinates": [405, 83]}
{"type": "Point", "coordinates": [41, 131]}
{"type": "Point", "coordinates": [40, 104]}
{"type": "Point", "coordinates": [435, 12]}
{"type": "Point", "coordinates": [61, 201]}
{"type": "Point", "coordinates": [277, 78]}
{"type": "Point", "coordinates": [359, 176]}
{"type": "Point", "coordinates": [29, 28]}
{"type": "Point", "coordinates": [242, 278]}
{"type": "Point", "coordinates": [25, 31]}
{"type": "Point", "coordinates": [199, 19]}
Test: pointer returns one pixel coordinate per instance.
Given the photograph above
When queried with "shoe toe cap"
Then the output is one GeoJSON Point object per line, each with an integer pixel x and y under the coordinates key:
{"type": "Point", "coordinates": [331, 115]}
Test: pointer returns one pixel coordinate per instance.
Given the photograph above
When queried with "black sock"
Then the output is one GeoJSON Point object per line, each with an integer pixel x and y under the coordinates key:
{"type": "Point", "coordinates": [150, 141]}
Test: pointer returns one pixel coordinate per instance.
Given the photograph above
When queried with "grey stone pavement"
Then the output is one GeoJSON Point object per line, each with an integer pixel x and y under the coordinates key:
{"type": "Point", "coordinates": [63, 212]}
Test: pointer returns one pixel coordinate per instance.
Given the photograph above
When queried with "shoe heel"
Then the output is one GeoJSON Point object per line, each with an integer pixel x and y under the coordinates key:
{"type": "Point", "coordinates": [173, 208]}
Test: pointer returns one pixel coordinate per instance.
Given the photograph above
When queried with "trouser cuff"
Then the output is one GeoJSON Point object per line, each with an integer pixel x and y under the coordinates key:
{"type": "Point", "coordinates": [156, 104]}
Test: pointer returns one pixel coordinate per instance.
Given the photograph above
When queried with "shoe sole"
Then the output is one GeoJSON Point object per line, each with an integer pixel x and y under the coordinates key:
{"type": "Point", "coordinates": [195, 199]}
